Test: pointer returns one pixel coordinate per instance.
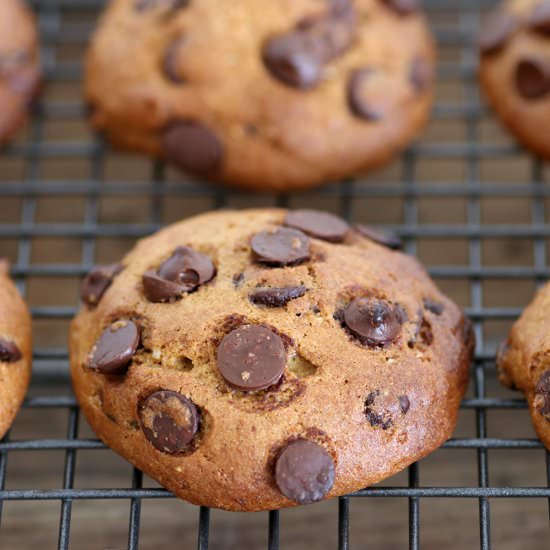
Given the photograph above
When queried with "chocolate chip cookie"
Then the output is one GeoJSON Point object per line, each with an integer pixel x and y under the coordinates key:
{"type": "Point", "coordinates": [15, 349]}
{"type": "Point", "coordinates": [19, 68]}
{"type": "Point", "coordinates": [515, 69]}
{"type": "Point", "coordinates": [263, 95]}
{"type": "Point", "coordinates": [524, 361]}
{"type": "Point", "coordinates": [260, 359]}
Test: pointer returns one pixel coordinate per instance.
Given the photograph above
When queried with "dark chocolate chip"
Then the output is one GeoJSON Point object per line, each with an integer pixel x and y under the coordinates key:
{"type": "Point", "coordinates": [421, 74]}
{"type": "Point", "coordinates": [321, 225]}
{"type": "Point", "coordinates": [276, 297]}
{"type": "Point", "coordinates": [495, 31]}
{"type": "Point", "coordinates": [282, 246]}
{"type": "Point", "coordinates": [434, 307]}
{"type": "Point", "coordinates": [251, 357]}
{"type": "Point", "coordinates": [297, 57]}
{"type": "Point", "coordinates": [238, 279]}
{"type": "Point", "coordinates": [193, 147]}
{"type": "Point", "coordinates": [404, 404]}
{"type": "Point", "coordinates": [304, 471]}
{"type": "Point", "coordinates": [97, 282]}
{"type": "Point", "coordinates": [380, 236]}
{"type": "Point", "coordinates": [170, 62]}
{"type": "Point", "coordinates": [539, 19]}
{"type": "Point", "coordinates": [115, 348]}
{"type": "Point", "coordinates": [376, 418]}
{"type": "Point", "coordinates": [169, 421]}
{"type": "Point", "coordinates": [403, 7]}
{"type": "Point", "coordinates": [184, 271]}
{"type": "Point", "coordinates": [533, 78]}
{"type": "Point", "coordinates": [368, 94]}
{"type": "Point", "coordinates": [145, 5]}
{"type": "Point", "coordinates": [9, 352]}
{"type": "Point", "coordinates": [542, 395]}
{"type": "Point", "coordinates": [374, 322]}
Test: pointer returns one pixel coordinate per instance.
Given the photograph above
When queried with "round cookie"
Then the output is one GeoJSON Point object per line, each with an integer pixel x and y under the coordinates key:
{"type": "Point", "coordinates": [19, 67]}
{"type": "Point", "coordinates": [524, 361]}
{"type": "Point", "coordinates": [267, 96]}
{"type": "Point", "coordinates": [515, 69]}
{"type": "Point", "coordinates": [15, 349]}
{"type": "Point", "coordinates": [269, 367]}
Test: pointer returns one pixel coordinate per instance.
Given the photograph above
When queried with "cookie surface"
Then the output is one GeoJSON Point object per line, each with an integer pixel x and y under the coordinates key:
{"type": "Point", "coordinates": [15, 349]}
{"type": "Point", "coordinates": [264, 95]}
{"type": "Point", "coordinates": [19, 69]}
{"type": "Point", "coordinates": [269, 367]}
{"type": "Point", "coordinates": [524, 361]}
{"type": "Point", "coordinates": [515, 69]}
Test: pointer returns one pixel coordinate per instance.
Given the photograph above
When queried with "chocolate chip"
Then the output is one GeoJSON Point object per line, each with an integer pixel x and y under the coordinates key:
{"type": "Point", "coordinates": [539, 19]}
{"type": "Point", "coordinates": [192, 146]}
{"type": "Point", "coordinates": [533, 77]}
{"type": "Point", "coordinates": [282, 246]}
{"type": "Point", "coordinates": [496, 29]}
{"type": "Point", "coordinates": [115, 348]}
{"type": "Point", "coordinates": [404, 404]}
{"type": "Point", "coordinates": [373, 321]}
{"type": "Point", "coordinates": [377, 419]}
{"type": "Point", "coordinates": [169, 421]}
{"type": "Point", "coordinates": [542, 395]}
{"type": "Point", "coordinates": [145, 5]}
{"type": "Point", "coordinates": [297, 57]}
{"type": "Point", "coordinates": [403, 7]}
{"type": "Point", "coordinates": [379, 236]}
{"type": "Point", "coordinates": [434, 307]}
{"type": "Point", "coordinates": [369, 94]}
{"type": "Point", "coordinates": [251, 357]}
{"type": "Point", "coordinates": [321, 225]}
{"type": "Point", "coordinates": [9, 352]}
{"type": "Point", "coordinates": [238, 279]}
{"type": "Point", "coordinates": [170, 62]}
{"type": "Point", "coordinates": [276, 297]}
{"type": "Point", "coordinates": [421, 75]}
{"type": "Point", "coordinates": [97, 282]}
{"type": "Point", "coordinates": [304, 471]}
{"type": "Point", "coordinates": [184, 271]}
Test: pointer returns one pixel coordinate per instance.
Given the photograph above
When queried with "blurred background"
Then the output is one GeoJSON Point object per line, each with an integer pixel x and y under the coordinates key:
{"type": "Point", "coordinates": [467, 201]}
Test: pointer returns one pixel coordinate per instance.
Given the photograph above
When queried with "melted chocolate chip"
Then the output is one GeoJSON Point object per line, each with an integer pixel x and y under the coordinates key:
{"type": "Point", "coordinates": [251, 357]}
{"type": "Point", "coordinates": [276, 297]}
{"type": "Point", "coordinates": [145, 5]}
{"type": "Point", "coordinates": [297, 57]}
{"type": "Point", "coordinates": [169, 421]}
{"type": "Point", "coordinates": [379, 236]}
{"type": "Point", "coordinates": [280, 247]}
{"type": "Point", "coordinates": [193, 147]}
{"type": "Point", "coordinates": [539, 19]}
{"type": "Point", "coordinates": [115, 348]}
{"type": "Point", "coordinates": [420, 75]}
{"type": "Point", "coordinates": [304, 471]}
{"type": "Point", "coordinates": [97, 282]}
{"type": "Point", "coordinates": [542, 395]}
{"type": "Point", "coordinates": [9, 352]}
{"type": "Point", "coordinates": [496, 29]}
{"type": "Point", "coordinates": [184, 271]}
{"type": "Point", "coordinates": [403, 7]}
{"type": "Point", "coordinates": [404, 404]}
{"type": "Point", "coordinates": [533, 78]}
{"type": "Point", "coordinates": [369, 95]}
{"type": "Point", "coordinates": [170, 62]}
{"type": "Point", "coordinates": [320, 225]}
{"type": "Point", "coordinates": [374, 322]}
{"type": "Point", "coordinates": [377, 419]}
{"type": "Point", "coordinates": [434, 307]}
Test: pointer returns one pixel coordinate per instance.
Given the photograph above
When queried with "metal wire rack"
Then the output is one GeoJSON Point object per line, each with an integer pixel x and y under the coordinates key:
{"type": "Point", "coordinates": [67, 202]}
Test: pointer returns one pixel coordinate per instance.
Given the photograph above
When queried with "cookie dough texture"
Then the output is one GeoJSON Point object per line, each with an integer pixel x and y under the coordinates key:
{"type": "Point", "coordinates": [264, 95]}
{"type": "Point", "coordinates": [19, 67]}
{"type": "Point", "coordinates": [524, 361]}
{"type": "Point", "coordinates": [361, 370]}
{"type": "Point", "coordinates": [15, 349]}
{"type": "Point", "coordinates": [515, 69]}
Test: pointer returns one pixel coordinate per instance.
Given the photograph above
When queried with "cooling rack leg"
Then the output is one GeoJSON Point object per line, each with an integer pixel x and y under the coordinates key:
{"type": "Point", "coordinates": [273, 535]}
{"type": "Point", "coordinates": [3, 468]}
{"type": "Point", "coordinates": [204, 528]}
{"type": "Point", "coordinates": [414, 510]}
{"type": "Point", "coordinates": [343, 523]}
{"type": "Point", "coordinates": [135, 512]}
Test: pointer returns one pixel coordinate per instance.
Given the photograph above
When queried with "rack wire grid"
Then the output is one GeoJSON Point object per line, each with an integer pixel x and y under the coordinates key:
{"type": "Point", "coordinates": [465, 198]}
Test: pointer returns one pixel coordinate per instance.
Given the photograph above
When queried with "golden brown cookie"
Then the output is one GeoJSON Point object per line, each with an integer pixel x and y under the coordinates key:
{"type": "Point", "coordinates": [257, 359]}
{"type": "Point", "coordinates": [19, 67]}
{"type": "Point", "coordinates": [15, 349]}
{"type": "Point", "coordinates": [524, 361]}
{"type": "Point", "coordinates": [515, 69]}
{"type": "Point", "coordinates": [264, 95]}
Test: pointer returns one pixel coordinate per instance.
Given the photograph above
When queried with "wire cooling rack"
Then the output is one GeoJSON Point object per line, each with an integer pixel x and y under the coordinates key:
{"type": "Point", "coordinates": [465, 199]}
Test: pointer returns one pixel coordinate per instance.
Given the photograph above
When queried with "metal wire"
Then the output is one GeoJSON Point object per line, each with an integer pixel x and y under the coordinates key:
{"type": "Point", "coordinates": [36, 150]}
